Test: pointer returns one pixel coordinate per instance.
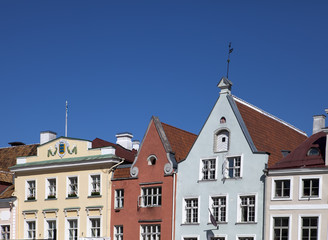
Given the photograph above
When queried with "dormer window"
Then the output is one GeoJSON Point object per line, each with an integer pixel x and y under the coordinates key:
{"type": "Point", "coordinates": [221, 141]}
{"type": "Point", "coordinates": [313, 151]}
{"type": "Point", "coordinates": [151, 160]}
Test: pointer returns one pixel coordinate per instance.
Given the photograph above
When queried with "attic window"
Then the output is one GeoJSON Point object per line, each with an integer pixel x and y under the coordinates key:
{"type": "Point", "coordinates": [222, 120]}
{"type": "Point", "coordinates": [313, 151]}
{"type": "Point", "coordinates": [151, 160]}
{"type": "Point", "coordinates": [221, 141]}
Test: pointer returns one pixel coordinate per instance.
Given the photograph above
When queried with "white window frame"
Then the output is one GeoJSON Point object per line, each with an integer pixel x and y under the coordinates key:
{"type": "Point", "coordinates": [155, 195]}
{"type": "Point", "coordinates": [91, 183]}
{"type": "Point", "coordinates": [47, 185]}
{"type": "Point", "coordinates": [5, 225]}
{"type": "Point", "coordinates": [212, 210]}
{"type": "Point", "coordinates": [245, 236]}
{"type": "Point", "coordinates": [281, 216]}
{"type": "Point", "coordinates": [46, 236]}
{"type": "Point", "coordinates": [201, 166]}
{"type": "Point", "coordinates": [26, 228]}
{"type": "Point", "coordinates": [273, 187]}
{"type": "Point", "coordinates": [27, 189]}
{"type": "Point", "coordinates": [119, 198]}
{"type": "Point", "coordinates": [239, 207]}
{"type": "Point", "coordinates": [184, 213]}
{"type": "Point", "coordinates": [118, 234]}
{"type": "Point", "coordinates": [226, 166]}
{"type": "Point", "coordinates": [67, 219]}
{"type": "Point", "coordinates": [90, 225]}
{"type": "Point", "coordinates": [68, 190]}
{"type": "Point", "coordinates": [300, 216]}
{"type": "Point", "coordinates": [301, 197]}
{"type": "Point", "coordinates": [157, 234]}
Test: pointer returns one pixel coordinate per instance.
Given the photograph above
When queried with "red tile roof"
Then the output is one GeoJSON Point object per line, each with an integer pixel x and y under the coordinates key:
{"type": "Point", "coordinates": [120, 173]}
{"type": "Point", "coordinates": [181, 141]}
{"type": "Point", "coordinates": [269, 134]}
{"type": "Point", "coordinates": [121, 152]}
{"type": "Point", "coordinates": [299, 158]}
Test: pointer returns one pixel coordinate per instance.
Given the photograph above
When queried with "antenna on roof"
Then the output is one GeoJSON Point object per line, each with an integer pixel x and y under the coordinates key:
{"type": "Point", "coordinates": [66, 119]}
{"type": "Point", "coordinates": [230, 51]}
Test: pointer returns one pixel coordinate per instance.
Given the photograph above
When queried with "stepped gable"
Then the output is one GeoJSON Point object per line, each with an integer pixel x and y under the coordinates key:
{"type": "Point", "coordinates": [181, 141]}
{"type": "Point", "coordinates": [121, 152]}
{"type": "Point", "coordinates": [299, 158]}
{"type": "Point", "coordinates": [269, 133]}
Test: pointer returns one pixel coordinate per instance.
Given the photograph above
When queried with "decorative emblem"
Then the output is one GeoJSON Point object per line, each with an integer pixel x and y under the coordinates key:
{"type": "Point", "coordinates": [62, 147]}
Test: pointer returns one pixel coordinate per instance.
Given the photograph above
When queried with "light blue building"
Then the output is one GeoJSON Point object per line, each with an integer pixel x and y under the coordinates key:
{"type": "Point", "coordinates": [223, 172]}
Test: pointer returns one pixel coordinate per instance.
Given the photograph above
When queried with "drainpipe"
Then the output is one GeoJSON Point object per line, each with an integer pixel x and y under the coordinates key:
{"type": "Point", "coordinates": [111, 169]}
{"type": "Point", "coordinates": [173, 206]}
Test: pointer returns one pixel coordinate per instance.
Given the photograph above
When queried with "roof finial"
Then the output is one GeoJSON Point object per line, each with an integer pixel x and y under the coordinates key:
{"type": "Point", "coordinates": [230, 51]}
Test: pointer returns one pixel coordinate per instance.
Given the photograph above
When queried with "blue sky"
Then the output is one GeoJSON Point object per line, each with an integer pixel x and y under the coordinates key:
{"type": "Point", "coordinates": [120, 62]}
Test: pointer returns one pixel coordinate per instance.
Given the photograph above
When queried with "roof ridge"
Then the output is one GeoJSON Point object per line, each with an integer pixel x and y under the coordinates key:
{"type": "Point", "coordinates": [26, 145]}
{"type": "Point", "coordinates": [268, 115]}
{"type": "Point", "coordinates": [178, 129]}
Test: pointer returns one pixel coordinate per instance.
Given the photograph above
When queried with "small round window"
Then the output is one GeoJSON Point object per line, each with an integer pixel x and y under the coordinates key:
{"type": "Point", "coordinates": [152, 160]}
{"type": "Point", "coordinates": [313, 151]}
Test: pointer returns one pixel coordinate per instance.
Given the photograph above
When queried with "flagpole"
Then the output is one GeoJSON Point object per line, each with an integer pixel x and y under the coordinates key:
{"type": "Point", "coordinates": [66, 119]}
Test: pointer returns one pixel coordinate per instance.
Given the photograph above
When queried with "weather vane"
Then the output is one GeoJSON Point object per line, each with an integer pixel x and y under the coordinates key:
{"type": "Point", "coordinates": [230, 51]}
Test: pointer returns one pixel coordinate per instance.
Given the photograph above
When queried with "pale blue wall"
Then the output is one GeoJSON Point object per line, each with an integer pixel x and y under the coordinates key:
{"type": "Point", "coordinates": [190, 186]}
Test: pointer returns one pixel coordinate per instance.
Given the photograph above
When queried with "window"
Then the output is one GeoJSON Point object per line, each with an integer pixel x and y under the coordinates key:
{"type": "Point", "coordinates": [31, 190]}
{"type": "Point", "coordinates": [219, 208]}
{"type": "Point", "coordinates": [51, 188]}
{"type": "Point", "coordinates": [72, 229]}
{"type": "Point", "coordinates": [191, 210]}
{"type": "Point", "coordinates": [234, 167]}
{"type": "Point", "coordinates": [72, 187]}
{"type": "Point", "coordinates": [151, 232]}
{"type": "Point", "coordinates": [119, 198]}
{"type": "Point", "coordinates": [5, 232]}
{"type": "Point", "coordinates": [309, 228]}
{"type": "Point", "coordinates": [221, 141]}
{"type": "Point", "coordinates": [95, 185]}
{"type": "Point", "coordinates": [282, 188]}
{"type": "Point", "coordinates": [280, 228]}
{"type": "Point", "coordinates": [30, 230]}
{"type": "Point", "coordinates": [247, 208]}
{"type": "Point", "coordinates": [51, 229]}
{"type": "Point", "coordinates": [208, 169]}
{"type": "Point", "coordinates": [118, 233]}
{"type": "Point", "coordinates": [223, 120]}
{"type": "Point", "coordinates": [151, 197]}
{"type": "Point", "coordinates": [95, 227]}
{"type": "Point", "coordinates": [151, 160]}
{"type": "Point", "coordinates": [310, 187]}
{"type": "Point", "coordinates": [313, 151]}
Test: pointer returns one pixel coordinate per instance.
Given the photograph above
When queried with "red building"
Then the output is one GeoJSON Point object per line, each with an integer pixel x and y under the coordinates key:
{"type": "Point", "coordinates": [143, 193]}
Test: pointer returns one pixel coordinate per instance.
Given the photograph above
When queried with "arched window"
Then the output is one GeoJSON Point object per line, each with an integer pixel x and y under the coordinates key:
{"type": "Point", "coordinates": [222, 141]}
{"type": "Point", "coordinates": [151, 160]}
{"type": "Point", "coordinates": [223, 120]}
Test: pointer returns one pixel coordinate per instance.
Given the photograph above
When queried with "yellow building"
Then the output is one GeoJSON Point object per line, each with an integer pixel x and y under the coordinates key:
{"type": "Point", "coordinates": [64, 190]}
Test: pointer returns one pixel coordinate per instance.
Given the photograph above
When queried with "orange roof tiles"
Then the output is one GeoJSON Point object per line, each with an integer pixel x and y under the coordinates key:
{"type": "Point", "coordinates": [269, 134]}
{"type": "Point", "coordinates": [181, 141]}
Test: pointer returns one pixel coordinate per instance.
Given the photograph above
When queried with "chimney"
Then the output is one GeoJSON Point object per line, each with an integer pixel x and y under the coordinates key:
{"type": "Point", "coordinates": [318, 123]}
{"type": "Point", "coordinates": [136, 144]}
{"type": "Point", "coordinates": [125, 140]}
{"type": "Point", "coordinates": [47, 136]}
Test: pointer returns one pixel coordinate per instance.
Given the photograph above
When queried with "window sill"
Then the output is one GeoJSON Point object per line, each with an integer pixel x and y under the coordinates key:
{"type": "Point", "coordinates": [49, 199]}
{"type": "Point", "coordinates": [155, 206]}
{"type": "Point", "coordinates": [309, 198]}
{"type": "Point", "coordinates": [72, 197]}
{"type": "Point", "coordinates": [118, 209]}
{"type": "Point", "coordinates": [281, 199]}
{"type": "Point", "coordinates": [95, 196]}
{"type": "Point", "coordinates": [209, 223]}
{"type": "Point", "coordinates": [242, 223]}
{"type": "Point", "coordinates": [34, 200]}
{"type": "Point", "coordinates": [207, 180]}
{"type": "Point", "coordinates": [189, 224]}
{"type": "Point", "coordinates": [234, 178]}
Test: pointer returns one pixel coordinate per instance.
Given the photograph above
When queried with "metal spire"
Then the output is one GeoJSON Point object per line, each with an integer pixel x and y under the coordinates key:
{"type": "Point", "coordinates": [230, 51]}
{"type": "Point", "coordinates": [66, 119]}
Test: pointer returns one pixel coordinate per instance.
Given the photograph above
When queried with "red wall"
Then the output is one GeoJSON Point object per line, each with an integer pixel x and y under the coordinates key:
{"type": "Point", "coordinates": [132, 215]}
